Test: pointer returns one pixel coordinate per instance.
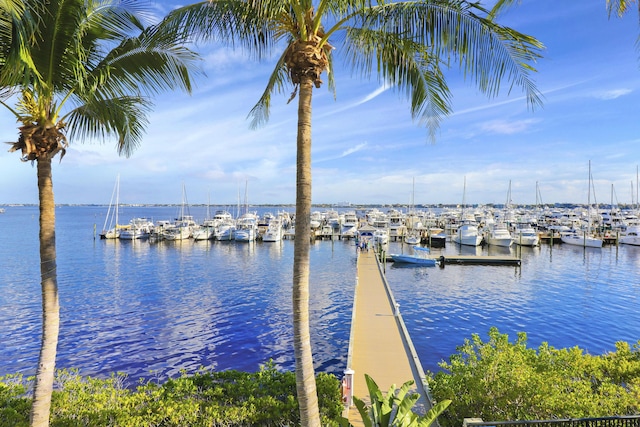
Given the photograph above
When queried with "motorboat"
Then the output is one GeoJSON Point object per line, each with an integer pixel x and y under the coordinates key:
{"type": "Point", "coordinates": [420, 256]}
{"type": "Point", "coordinates": [525, 235]}
{"type": "Point", "coordinates": [138, 228]}
{"type": "Point", "coordinates": [273, 232]}
{"type": "Point", "coordinates": [246, 228]}
{"type": "Point", "coordinates": [499, 236]}
{"type": "Point", "coordinates": [467, 234]}
{"type": "Point", "coordinates": [437, 238]}
{"type": "Point", "coordinates": [580, 238]}
{"type": "Point", "coordinates": [412, 238]}
{"type": "Point", "coordinates": [631, 236]}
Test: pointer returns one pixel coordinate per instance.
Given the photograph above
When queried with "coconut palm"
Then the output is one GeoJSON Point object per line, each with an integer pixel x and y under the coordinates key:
{"type": "Point", "coordinates": [405, 44]}
{"type": "Point", "coordinates": [77, 70]}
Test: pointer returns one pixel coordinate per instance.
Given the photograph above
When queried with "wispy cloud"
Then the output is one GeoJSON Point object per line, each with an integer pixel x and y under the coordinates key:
{"type": "Point", "coordinates": [505, 127]}
{"type": "Point", "coordinates": [612, 94]}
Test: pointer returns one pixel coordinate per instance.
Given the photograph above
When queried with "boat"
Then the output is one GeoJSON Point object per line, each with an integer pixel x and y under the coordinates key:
{"type": "Point", "coordinates": [274, 231]}
{"type": "Point", "coordinates": [138, 229]}
{"type": "Point", "coordinates": [467, 234]}
{"type": "Point", "coordinates": [111, 230]}
{"type": "Point", "coordinates": [349, 224]}
{"type": "Point", "coordinates": [246, 228]}
{"type": "Point", "coordinates": [412, 238]}
{"type": "Point", "coordinates": [525, 235]}
{"type": "Point", "coordinates": [631, 236]}
{"type": "Point", "coordinates": [583, 237]}
{"type": "Point", "coordinates": [420, 256]}
{"type": "Point", "coordinates": [499, 236]}
{"type": "Point", "coordinates": [436, 237]}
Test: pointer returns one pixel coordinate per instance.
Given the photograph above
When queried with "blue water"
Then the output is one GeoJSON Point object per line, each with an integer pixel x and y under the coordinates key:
{"type": "Point", "coordinates": [152, 310]}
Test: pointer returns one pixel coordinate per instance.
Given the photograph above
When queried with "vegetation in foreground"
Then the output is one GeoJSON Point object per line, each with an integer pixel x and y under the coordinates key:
{"type": "Point", "coordinates": [501, 380]}
{"type": "Point", "coordinates": [228, 398]}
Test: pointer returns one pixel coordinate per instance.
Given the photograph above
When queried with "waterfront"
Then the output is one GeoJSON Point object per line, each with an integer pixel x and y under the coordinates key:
{"type": "Point", "coordinates": [151, 310]}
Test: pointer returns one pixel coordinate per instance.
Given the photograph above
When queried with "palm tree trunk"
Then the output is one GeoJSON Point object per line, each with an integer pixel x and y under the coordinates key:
{"type": "Point", "coordinates": [305, 375]}
{"type": "Point", "coordinates": [50, 304]}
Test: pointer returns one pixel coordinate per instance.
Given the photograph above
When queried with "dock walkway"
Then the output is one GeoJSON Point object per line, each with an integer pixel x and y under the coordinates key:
{"type": "Point", "coordinates": [380, 345]}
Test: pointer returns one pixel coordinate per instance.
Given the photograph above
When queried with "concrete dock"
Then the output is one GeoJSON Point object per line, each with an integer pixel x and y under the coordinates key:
{"type": "Point", "coordinates": [380, 345]}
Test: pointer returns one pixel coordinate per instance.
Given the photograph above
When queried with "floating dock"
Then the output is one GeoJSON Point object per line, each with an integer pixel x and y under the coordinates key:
{"type": "Point", "coordinates": [379, 343]}
{"type": "Point", "coordinates": [474, 260]}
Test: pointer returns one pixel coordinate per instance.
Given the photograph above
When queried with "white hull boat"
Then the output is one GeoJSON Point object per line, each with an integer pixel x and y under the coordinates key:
{"type": "Point", "coordinates": [500, 236]}
{"type": "Point", "coordinates": [526, 236]}
{"type": "Point", "coordinates": [581, 239]}
{"type": "Point", "coordinates": [467, 235]}
{"type": "Point", "coordinates": [631, 236]}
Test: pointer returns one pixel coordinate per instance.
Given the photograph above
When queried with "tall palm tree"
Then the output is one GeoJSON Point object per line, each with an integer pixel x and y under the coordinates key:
{"type": "Point", "coordinates": [404, 43]}
{"type": "Point", "coordinates": [77, 70]}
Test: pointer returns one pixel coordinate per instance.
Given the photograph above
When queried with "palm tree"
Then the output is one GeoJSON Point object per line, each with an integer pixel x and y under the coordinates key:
{"type": "Point", "coordinates": [404, 43]}
{"type": "Point", "coordinates": [78, 70]}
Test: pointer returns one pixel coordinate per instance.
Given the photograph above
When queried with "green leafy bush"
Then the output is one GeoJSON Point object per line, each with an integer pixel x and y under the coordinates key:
{"type": "Point", "coordinates": [229, 398]}
{"type": "Point", "coordinates": [499, 380]}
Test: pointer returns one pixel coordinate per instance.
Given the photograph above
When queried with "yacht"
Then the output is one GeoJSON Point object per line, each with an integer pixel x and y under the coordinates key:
{"type": "Point", "coordinates": [525, 235]}
{"type": "Point", "coordinates": [467, 234]}
{"type": "Point", "coordinates": [499, 236]}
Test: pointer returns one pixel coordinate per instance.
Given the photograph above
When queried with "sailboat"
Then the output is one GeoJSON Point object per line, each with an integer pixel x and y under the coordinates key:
{"type": "Point", "coordinates": [111, 230]}
{"type": "Point", "coordinates": [413, 237]}
{"type": "Point", "coordinates": [583, 238]}
{"type": "Point", "coordinates": [467, 234]}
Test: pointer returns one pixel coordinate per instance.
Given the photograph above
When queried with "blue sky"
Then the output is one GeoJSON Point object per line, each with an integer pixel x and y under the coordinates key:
{"type": "Point", "coordinates": [366, 147]}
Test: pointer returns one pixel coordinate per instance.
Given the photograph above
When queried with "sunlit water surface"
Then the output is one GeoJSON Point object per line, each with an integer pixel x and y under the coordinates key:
{"type": "Point", "coordinates": [152, 310]}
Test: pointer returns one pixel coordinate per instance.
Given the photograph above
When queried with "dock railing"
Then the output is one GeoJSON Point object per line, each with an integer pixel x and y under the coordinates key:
{"type": "Point", "coordinates": [616, 421]}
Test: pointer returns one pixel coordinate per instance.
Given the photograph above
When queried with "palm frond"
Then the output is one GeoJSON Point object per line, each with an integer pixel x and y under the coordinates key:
{"type": "Point", "coordinates": [406, 66]}
{"type": "Point", "coordinates": [124, 117]}
{"type": "Point", "coordinates": [462, 32]}
{"type": "Point", "coordinates": [277, 81]}
{"type": "Point", "coordinates": [236, 23]}
{"type": "Point", "coordinates": [151, 63]}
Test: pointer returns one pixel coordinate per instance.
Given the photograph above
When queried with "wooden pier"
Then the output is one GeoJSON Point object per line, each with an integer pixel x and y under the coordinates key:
{"type": "Point", "coordinates": [379, 345]}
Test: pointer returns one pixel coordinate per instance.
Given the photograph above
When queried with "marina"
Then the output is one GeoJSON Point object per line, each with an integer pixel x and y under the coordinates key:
{"type": "Point", "coordinates": [153, 309]}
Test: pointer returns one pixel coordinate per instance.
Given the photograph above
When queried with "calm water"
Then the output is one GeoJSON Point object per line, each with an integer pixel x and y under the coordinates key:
{"type": "Point", "coordinates": [151, 310]}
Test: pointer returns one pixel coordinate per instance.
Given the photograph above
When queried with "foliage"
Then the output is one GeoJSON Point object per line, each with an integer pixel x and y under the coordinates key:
{"type": "Point", "coordinates": [229, 398]}
{"type": "Point", "coordinates": [499, 380]}
{"type": "Point", "coordinates": [395, 409]}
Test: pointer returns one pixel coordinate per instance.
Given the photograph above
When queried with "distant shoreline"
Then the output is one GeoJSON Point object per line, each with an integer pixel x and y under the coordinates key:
{"type": "Point", "coordinates": [340, 206]}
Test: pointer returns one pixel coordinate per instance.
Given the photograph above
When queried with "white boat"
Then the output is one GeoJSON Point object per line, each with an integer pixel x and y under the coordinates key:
{"type": "Point", "coordinates": [412, 238]}
{"type": "Point", "coordinates": [246, 228]}
{"type": "Point", "coordinates": [349, 224]}
{"type": "Point", "coordinates": [380, 238]}
{"type": "Point", "coordinates": [583, 237]}
{"type": "Point", "coordinates": [499, 236]}
{"type": "Point", "coordinates": [467, 234]}
{"type": "Point", "coordinates": [273, 232]}
{"type": "Point", "coordinates": [206, 231]}
{"type": "Point", "coordinates": [631, 236]}
{"type": "Point", "coordinates": [525, 235]}
{"type": "Point", "coordinates": [225, 226]}
{"type": "Point", "coordinates": [138, 228]}
{"type": "Point", "coordinates": [420, 256]}
{"type": "Point", "coordinates": [580, 238]}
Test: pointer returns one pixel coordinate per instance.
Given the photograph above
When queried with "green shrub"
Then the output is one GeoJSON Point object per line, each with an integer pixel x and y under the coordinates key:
{"type": "Point", "coordinates": [499, 380]}
{"type": "Point", "coordinates": [229, 398]}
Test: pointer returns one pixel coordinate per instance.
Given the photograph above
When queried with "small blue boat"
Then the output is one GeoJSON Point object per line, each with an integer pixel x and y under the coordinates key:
{"type": "Point", "coordinates": [420, 256]}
